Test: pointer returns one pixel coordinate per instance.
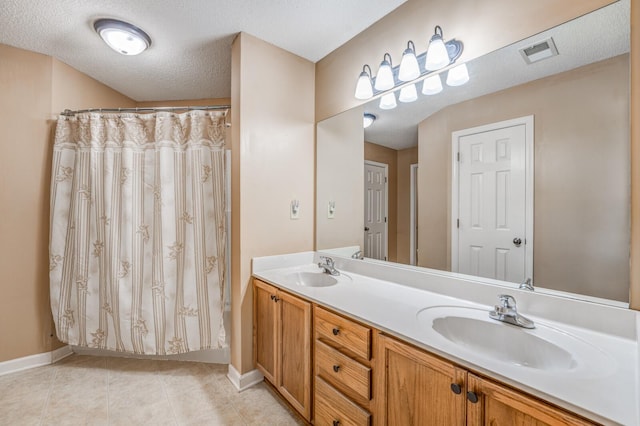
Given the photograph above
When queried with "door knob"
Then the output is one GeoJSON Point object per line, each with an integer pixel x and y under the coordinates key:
{"type": "Point", "coordinates": [517, 241]}
{"type": "Point", "coordinates": [366, 228]}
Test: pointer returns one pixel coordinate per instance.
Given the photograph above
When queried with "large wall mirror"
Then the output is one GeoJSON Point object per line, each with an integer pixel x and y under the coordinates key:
{"type": "Point", "coordinates": [557, 213]}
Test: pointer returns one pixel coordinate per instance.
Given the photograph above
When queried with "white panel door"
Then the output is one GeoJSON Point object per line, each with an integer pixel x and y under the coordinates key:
{"type": "Point", "coordinates": [375, 210]}
{"type": "Point", "coordinates": [492, 203]}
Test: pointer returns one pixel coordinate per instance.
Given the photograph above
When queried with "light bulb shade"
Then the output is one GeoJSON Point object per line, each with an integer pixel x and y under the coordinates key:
{"type": "Point", "coordinates": [432, 85]}
{"type": "Point", "coordinates": [458, 76]}
{"type": "Point", "coordinates": [368, 119]}
{"type": "Point", "coordinates": [409, 68]}
{"type": "Point", "coordinates": [437, 54]}
{"type": "Point", "coordinates": [388, 101]}
{"type": "Point", "coordinates": [363, 87]}
{"type": "Point", "coordinates": [408, 94]}
{"type": "Point", "coordinates": [122, 37]}
{"type": "Point", "coordinates": [384, 77]}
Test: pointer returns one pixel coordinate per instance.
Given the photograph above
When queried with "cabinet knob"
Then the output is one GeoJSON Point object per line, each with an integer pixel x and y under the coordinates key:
{"type": "Point", "coordinates": [336, 368]}
{"type": "Point", "coordinates": [273, 296]}
{"type": "Point", "coordinates": [336, 331]}
{"type": "Point", "coordinates": [455, 388]}
{"type": "Point", "coordinates": [336, 423]}
{"type": "Point", "coordinates": [276, 298]}
{"type": "Point", "coordinates": [472, 397]}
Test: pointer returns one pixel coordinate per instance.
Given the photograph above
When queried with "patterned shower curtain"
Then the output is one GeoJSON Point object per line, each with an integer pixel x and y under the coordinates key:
{"type": "Point", "coordinates": [137, 243]}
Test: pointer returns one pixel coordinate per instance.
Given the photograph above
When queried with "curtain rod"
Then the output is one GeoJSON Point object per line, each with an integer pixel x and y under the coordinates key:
{"type": "Point", "coordinates": [69, 113]}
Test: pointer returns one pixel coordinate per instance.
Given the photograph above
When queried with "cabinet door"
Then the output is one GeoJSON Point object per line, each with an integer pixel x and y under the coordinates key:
{"type": "Point", "coordinates": [498, 405]}
{"type": "Point", "coordinates": [264, 329]}
{"type": "Point", "coordinates": [294, 332]}
{"type": "Point", "coordinates": [417, 388]}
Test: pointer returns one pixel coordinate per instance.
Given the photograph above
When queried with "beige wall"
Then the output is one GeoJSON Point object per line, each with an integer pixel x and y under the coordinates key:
{"type": "Point", "coordinates": [406, 157]}
{"type": "Point", "coordinates": [272, 96]}
{"type": "Point", "coordinates": [340, 179]}
{"type": "Point", "coordinates": [34, 89]}
{"type": "Point", "coordinates": [381, 154]}
{"type": "Point", "coordinates": [582, 168]}
{"type": "Point", "coordinates": [483, 26]}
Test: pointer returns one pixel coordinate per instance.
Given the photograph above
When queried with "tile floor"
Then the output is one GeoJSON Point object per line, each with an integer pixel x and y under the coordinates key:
{"type": "Point", "coordinates": [89, 390]}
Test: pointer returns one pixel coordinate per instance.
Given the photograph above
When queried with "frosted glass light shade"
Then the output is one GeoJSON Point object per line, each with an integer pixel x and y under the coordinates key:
{"type": "Point", "coordinates": [408, 94]}
{"type": "Point", "coordinates": [409, 68]}
{"type": "Point", "coordinates": [363, 87]}
{"type": "Point", "coordinates": [122, 37]}
{"type": "Point", "coordinates": [384, 77]}
{"type": "Point", "coordinates": [437, 55]}
{"type": "Point", "coordinates": [432, 85]}
{"type": "Point", "coordinates": [388, 101]}
{"type": "Point", "coordinates": [458, 76]}
{"type": "Point", "coordinates": [368, 119]}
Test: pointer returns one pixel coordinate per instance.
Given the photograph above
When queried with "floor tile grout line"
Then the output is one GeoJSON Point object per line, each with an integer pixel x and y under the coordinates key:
{"type": "Point", "coordinates": [166, 395]}
{"type": "Point", "coordinates": [45, 406]}
{"type": "Point", "coordinates": [108, 368]}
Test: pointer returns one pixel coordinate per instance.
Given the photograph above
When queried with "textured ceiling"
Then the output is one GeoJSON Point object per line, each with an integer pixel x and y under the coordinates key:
{"type": "Point", "coordinates": [594, 37]}
{"type": "Point", "coordinates": [190, 56]}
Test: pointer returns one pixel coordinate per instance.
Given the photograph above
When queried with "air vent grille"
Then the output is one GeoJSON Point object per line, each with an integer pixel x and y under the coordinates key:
{"type": "Point", "coordinates": [541, 50]}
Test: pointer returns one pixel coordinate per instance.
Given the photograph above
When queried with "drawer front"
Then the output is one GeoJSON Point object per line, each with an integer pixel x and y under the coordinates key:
{"type": "Point", "coordinates": [343, 333]}
{"type": "Point", "coordinates": [342, 371]}
{"type": "Point", "coordinates": [333, 408]}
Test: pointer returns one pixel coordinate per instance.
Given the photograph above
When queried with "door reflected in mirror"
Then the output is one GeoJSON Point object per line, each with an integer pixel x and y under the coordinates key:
{"type": "Point", "coordinates": [575, 236]}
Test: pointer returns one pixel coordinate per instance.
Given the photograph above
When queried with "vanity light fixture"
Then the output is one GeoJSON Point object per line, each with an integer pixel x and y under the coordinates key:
{"type": "Point", "coordinates": [368, 119]}
{"type": "Point", "coordinates": [122, 37]}
{"type": "Point", "coordinates": [388, 101]}
{"type": "Point", "coordinates": [384, 79]}
{"type": "Point", "coordinates": [458, 75]}
{"type": "Point", "coordinates": [439, 54]}
{"type": "Point", "coordinates": [364, 88]}
{"type": "Point", "coordinates": [408, 94]}
{"type": "Point", "coordinates": [409, 68]}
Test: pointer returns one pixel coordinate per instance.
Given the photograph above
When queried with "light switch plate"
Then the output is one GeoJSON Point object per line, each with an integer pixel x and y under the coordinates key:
{"type": "Point", "coordinates": [295, 209]}
{"type": "Point", "coordinates": [331, 210]}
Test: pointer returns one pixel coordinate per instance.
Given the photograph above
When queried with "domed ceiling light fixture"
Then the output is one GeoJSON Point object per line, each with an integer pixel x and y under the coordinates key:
{"type": "Point", "coordinates": [412, 68]}
{"type": "Point", "coordinates": [122, 37]}
{"type": "Point", "coordinates": [368, 119]}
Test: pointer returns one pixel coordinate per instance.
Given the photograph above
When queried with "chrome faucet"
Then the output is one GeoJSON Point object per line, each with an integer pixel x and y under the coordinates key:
{"type": "Point", "coordinates": [357, 255]}
{"type": "Point", "coordinates": [507, 311]}
{"type": "Point", "coordinates": [526, 285]}
{"type": "Point", "coordinates": [328, 266]}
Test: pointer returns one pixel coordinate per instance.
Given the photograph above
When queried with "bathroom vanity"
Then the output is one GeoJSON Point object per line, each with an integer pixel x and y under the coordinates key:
{"type": "Point", "coordinates": [381, 344]}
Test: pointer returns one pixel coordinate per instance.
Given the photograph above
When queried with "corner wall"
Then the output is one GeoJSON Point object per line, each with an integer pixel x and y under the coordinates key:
{"type": "Point", "coordinates": [272, 98]}
{"type": "Point", "coordinates": [35, 88]}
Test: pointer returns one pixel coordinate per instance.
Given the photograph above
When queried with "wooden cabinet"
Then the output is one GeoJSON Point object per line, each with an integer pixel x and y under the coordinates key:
{"type": "Point", "coordinates": [343, 370]}
{"type": "Point", "coordinates": [499, 405]}
{"type": "Point", "coordinates": [416, 388]}
{"type": "Point", "coordinates": [282, 340]}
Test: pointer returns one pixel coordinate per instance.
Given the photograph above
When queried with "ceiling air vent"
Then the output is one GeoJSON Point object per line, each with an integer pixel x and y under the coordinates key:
{"type": "Point", "coordinates": [539, 51]}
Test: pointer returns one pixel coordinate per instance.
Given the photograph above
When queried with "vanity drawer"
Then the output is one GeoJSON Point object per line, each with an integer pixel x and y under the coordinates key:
{"type": "Point", "coordinates": [343, 372]}
{"type": "Point", "coordinates": [343, 333]}
{"type": "Point", "coordinates": [333, 408]}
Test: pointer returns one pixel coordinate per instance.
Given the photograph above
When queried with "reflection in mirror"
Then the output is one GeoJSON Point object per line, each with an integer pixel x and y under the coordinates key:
{"type": "Point", "coordinates": [578, 105]}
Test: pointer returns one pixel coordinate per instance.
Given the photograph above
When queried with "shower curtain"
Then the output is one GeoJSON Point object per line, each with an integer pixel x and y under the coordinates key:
{"type": "Point", "coordinates": [137, 242]}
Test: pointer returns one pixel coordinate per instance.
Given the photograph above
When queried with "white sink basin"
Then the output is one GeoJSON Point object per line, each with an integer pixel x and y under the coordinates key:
{"type": "Point", "coordinates": [543, 349]}
{"type": "Point", "coordinates": [312, 279]}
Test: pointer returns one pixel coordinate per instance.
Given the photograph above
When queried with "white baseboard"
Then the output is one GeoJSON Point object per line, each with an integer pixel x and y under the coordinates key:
{"type": "Point", "coordinates": [244, 381]}
{"type": "Point", "coordinates": [32, 361]}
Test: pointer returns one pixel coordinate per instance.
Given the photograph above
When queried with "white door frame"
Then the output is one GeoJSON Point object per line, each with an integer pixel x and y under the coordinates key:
{"type": "Point", "coordinates": [413, 238]}
{"type": "Point", "coordinates": [386, 205]}
{"type": "Point", "coordinates": [529, 137]}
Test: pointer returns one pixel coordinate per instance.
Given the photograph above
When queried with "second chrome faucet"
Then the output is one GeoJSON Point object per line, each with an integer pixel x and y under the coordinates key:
{"type": "Point", "coordinates": [507, 311]}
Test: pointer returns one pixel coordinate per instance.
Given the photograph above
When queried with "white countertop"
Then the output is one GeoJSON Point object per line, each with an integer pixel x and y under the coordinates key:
{"type": "Point", "coordinates": [606, 392]}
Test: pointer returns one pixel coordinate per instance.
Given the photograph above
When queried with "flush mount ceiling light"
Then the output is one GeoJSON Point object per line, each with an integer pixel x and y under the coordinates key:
{"type": "Point", "coordinates": [368, 119]}
{"type": "Point", "coordinates": [122, 37]}
{"type": "Point", "coordinates": [412, 68]}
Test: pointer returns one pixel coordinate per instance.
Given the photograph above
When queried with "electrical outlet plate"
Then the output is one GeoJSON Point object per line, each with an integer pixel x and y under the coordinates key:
{"type": "Point", "coordinates": [295, 209]}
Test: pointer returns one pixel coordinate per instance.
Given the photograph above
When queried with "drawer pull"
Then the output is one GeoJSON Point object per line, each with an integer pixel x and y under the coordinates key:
{"type": "Point", "coordinates": [455, 388]}
{"type": "Point", "coordinates": [273, 296]}
{"type": "Point", "coordinates": [336, 423]}
{"type": "Point", "coordinates": [336, 331]}
{"type": "Point", "coordinates": [472, 397]}
{"type": "Point", "coordinates": [336, 368]}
